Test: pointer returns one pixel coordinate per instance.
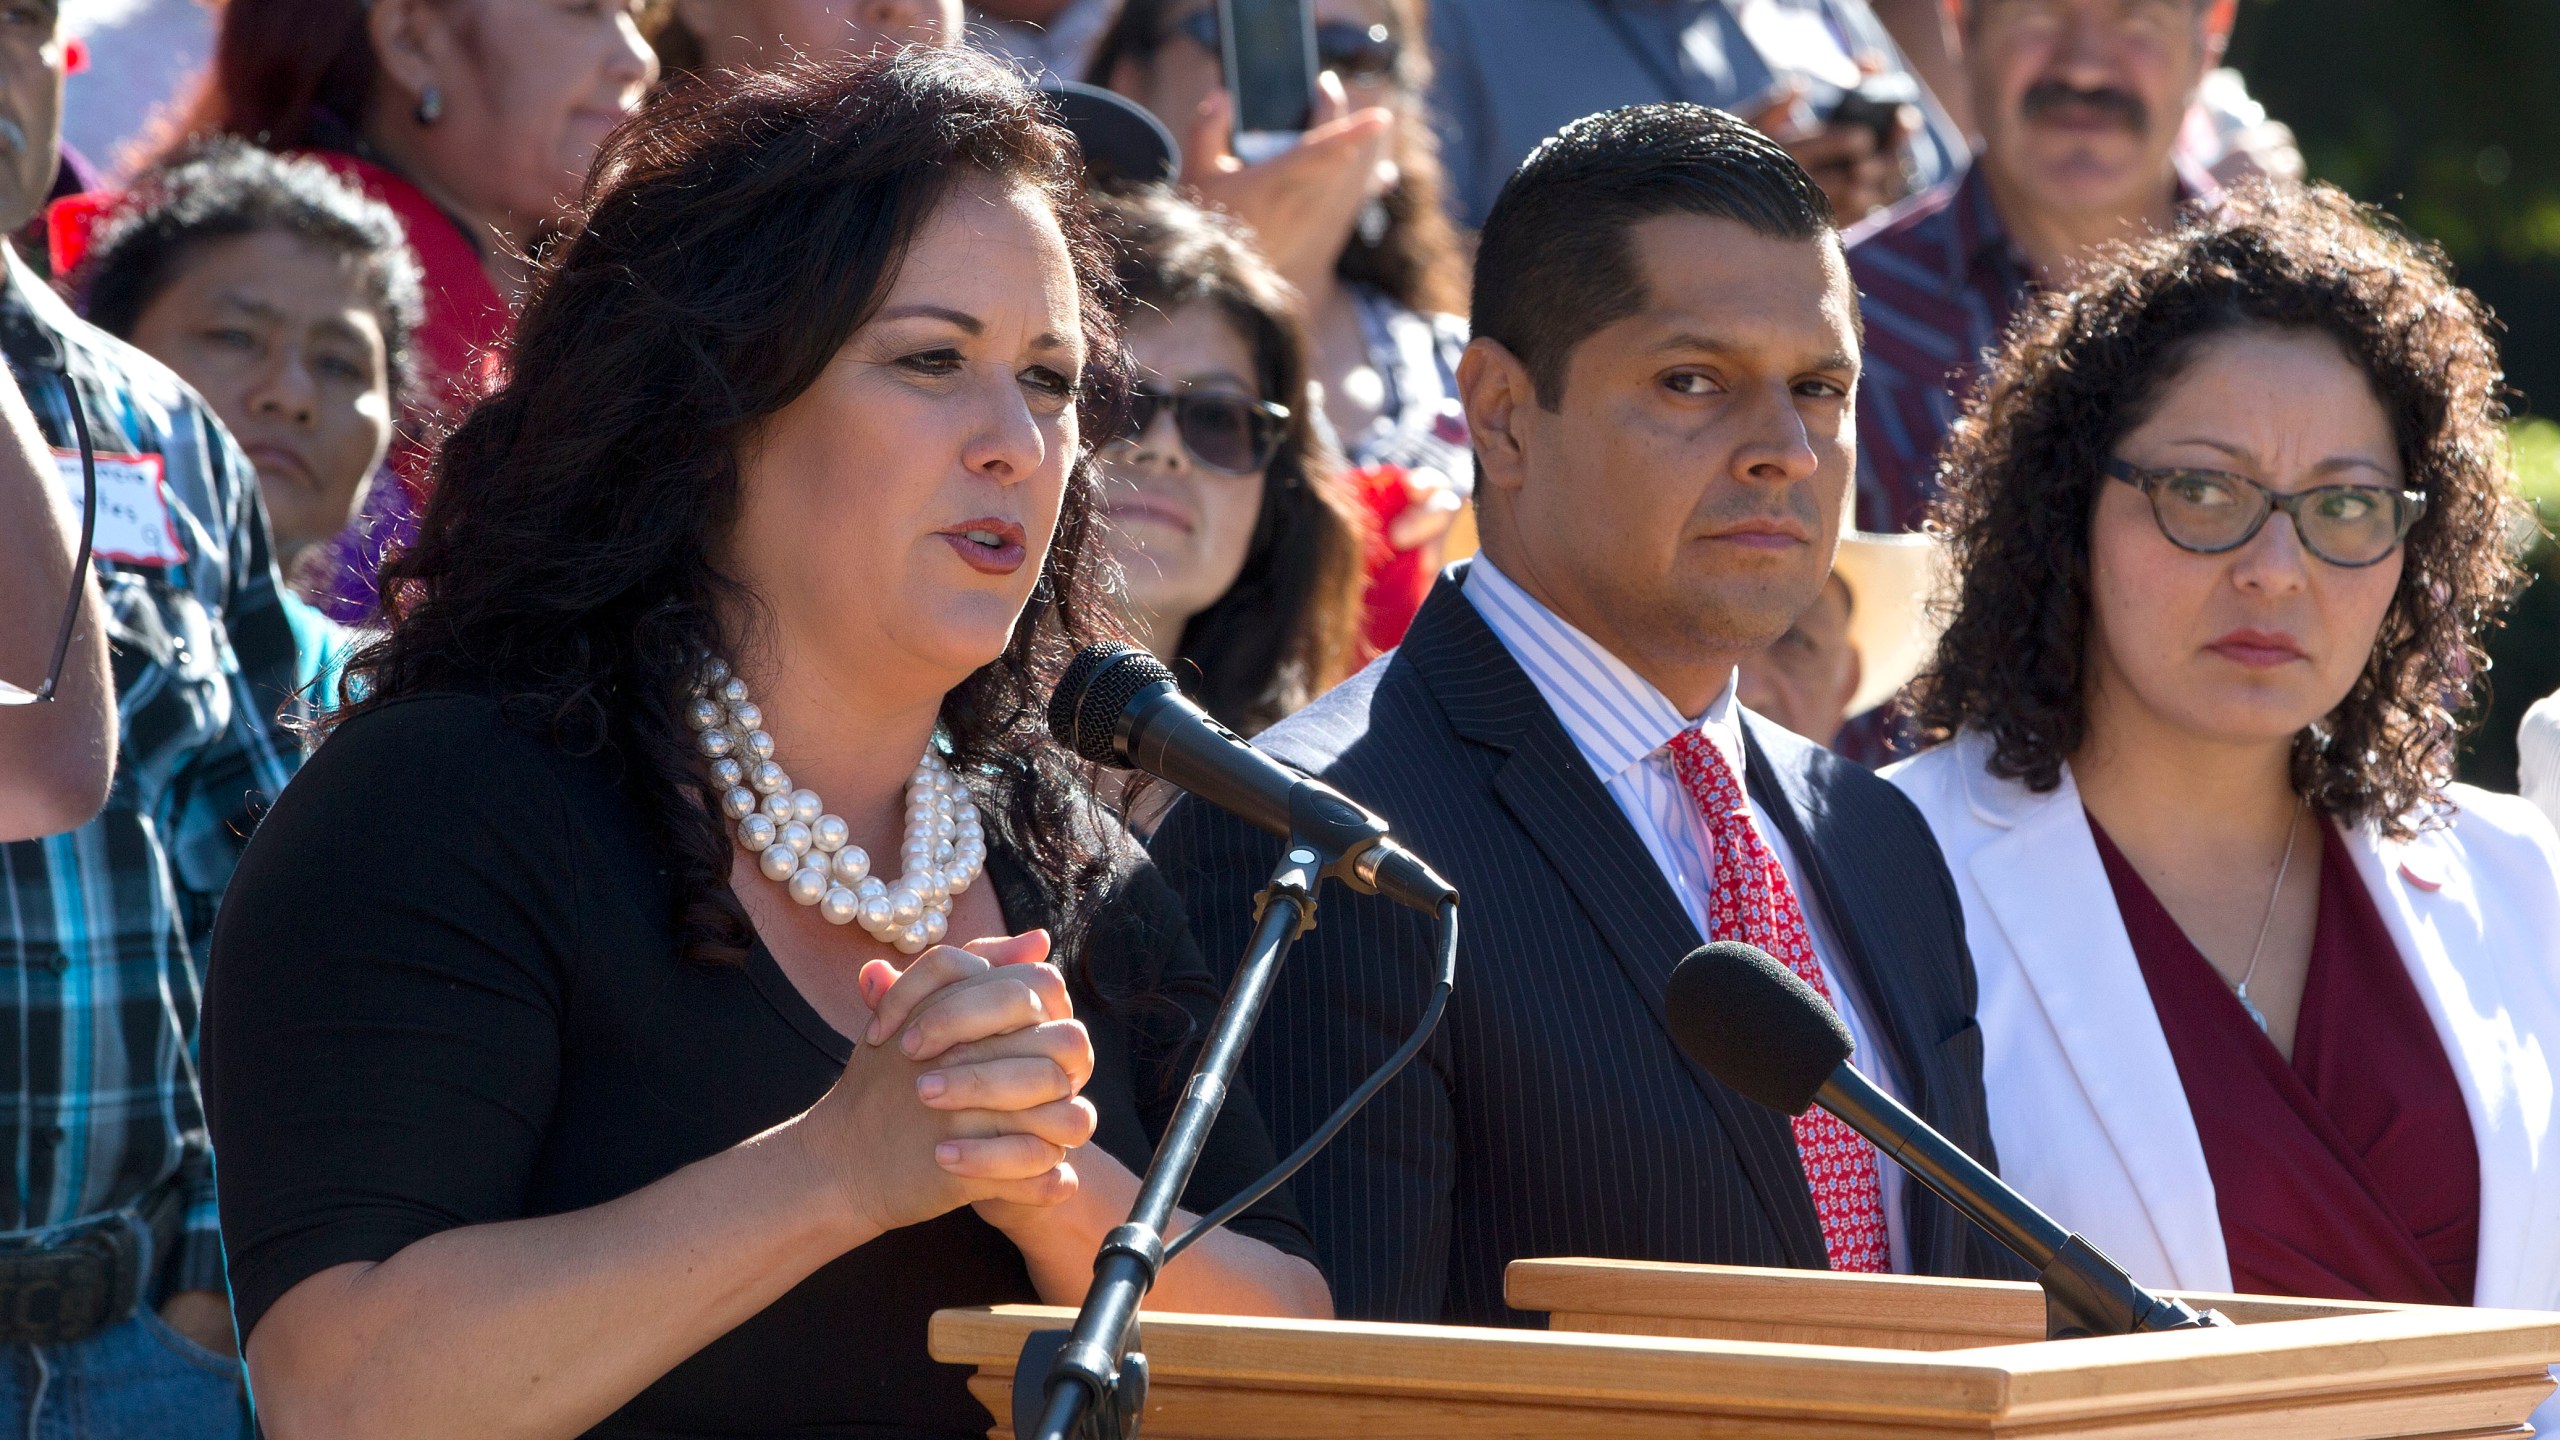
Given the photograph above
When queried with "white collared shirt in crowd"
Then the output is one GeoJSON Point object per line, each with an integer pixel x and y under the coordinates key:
{"type": "Point", "coordinates": [2538, 756]}
{"type": "Point", "coordinates": [1624, 727]}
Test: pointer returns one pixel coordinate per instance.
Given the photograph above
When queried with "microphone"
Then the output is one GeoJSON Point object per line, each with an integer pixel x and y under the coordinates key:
{"type": "Point", "coordinates": [1751, 1023]}
{"type": "Point", "coordinates": [1118, 706]}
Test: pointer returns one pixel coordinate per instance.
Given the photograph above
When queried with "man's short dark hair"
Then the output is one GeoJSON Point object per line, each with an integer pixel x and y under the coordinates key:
{"type": "Point", "coordinates": [1554, 263]}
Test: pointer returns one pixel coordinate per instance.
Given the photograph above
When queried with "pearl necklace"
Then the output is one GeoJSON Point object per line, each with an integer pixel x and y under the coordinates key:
{"type": "Point", "coordinates": [810, 852]}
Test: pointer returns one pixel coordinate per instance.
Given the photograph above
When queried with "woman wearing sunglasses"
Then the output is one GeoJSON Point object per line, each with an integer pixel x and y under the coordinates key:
{"type": "Point", "coordinates": [2269, 1004]}
{"type": "Point", "coordinates": [1226, 514]}
{"type": "Point", "coordinates": [1351, 216]}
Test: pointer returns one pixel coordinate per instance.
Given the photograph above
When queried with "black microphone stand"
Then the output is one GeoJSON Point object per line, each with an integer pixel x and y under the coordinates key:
{"type": "Point", "coordinates": [1093, 1385]}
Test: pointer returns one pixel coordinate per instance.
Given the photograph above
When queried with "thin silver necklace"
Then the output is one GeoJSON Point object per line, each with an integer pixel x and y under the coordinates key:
{"type": "Point", "coordinates": [2292, 833]}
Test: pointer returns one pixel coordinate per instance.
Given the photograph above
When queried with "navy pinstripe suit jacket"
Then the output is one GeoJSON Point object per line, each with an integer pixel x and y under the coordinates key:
{"type": "Point", "coordinates": [1552, 1115]}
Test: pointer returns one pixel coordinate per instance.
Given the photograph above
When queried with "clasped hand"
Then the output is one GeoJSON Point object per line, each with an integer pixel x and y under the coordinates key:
{"type": "Point", "coordinates": [963, 1088]}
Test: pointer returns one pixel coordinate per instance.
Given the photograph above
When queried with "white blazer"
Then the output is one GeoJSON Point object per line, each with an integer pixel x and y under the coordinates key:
{"type": "Point", "coordinates": [2086, 1106]}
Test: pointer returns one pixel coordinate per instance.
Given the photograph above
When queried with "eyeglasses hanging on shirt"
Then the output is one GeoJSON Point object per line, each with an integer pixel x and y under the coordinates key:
{"type": "Point", "coordinates": [11, 694]}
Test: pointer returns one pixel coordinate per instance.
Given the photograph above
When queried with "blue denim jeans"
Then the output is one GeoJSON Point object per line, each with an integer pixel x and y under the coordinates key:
{"type": "Point", "coordinates": [139, 1380]}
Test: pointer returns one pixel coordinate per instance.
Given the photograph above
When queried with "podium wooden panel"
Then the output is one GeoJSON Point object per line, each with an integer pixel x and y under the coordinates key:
{"type": "Point", "coordinates": [1645, 1351]}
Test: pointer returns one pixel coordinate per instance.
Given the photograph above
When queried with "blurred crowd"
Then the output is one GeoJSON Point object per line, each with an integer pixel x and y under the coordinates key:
{"type": "Point", "coordinates": [307, 225]}
{"type": "Point", "coordinates": [318, 214]}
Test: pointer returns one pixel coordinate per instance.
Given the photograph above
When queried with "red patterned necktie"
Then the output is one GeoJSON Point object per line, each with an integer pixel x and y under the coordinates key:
{"type": "Point", "coordinates": [1748, 899]}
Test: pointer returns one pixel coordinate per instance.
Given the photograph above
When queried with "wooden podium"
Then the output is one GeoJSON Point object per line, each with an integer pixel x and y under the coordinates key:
{"type": "Point", "coordinates": [1640, 1350]}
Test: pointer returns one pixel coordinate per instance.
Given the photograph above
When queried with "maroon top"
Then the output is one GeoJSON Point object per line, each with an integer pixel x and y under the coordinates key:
{"type": "Point", "coordinates": [2348, 1173]}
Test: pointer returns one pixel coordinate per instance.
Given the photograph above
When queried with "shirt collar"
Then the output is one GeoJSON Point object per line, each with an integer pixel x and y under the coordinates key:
{"type": "Point", "coordinates": [1615, 716]}
{"type": "Point", "coordinates": [35, 324]}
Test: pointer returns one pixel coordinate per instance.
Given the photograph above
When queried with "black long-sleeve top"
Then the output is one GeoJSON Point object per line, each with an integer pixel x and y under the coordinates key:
{"type": "Point", "coordinates": [446, 990]}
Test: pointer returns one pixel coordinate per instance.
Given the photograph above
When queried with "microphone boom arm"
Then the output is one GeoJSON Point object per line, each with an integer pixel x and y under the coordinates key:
{"type": "Point", "coordinates": [2085, 1293]}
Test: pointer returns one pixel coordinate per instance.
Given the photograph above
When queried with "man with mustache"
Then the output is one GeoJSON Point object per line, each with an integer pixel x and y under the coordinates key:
{"type": "Point", "coordinates": [113, 1316]}
{"type": "Point", "coordinates": [1660, 392]}
{"type": "Point", "coordinates": [2079, 103]}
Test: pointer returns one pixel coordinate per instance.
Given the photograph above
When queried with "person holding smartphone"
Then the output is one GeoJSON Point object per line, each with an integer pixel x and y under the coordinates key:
{"type": "Point", "coordinates": [1352, 215]}
{"type": "Point", "coordinates": [1822, 77]}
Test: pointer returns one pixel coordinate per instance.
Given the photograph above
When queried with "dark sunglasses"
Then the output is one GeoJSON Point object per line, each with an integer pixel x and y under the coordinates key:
{"type": "Point", "coordinates": [2209, 512]}
{"type": "Point", "coordinates": [52, 683]}
{"type": "Point", "coordinates": [1354, 52]}
{"type": "Point", "coordinates": [1232, 434]}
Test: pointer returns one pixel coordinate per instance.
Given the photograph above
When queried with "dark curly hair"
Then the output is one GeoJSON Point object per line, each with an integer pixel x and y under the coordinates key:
{"type": "Point", "coordinates": [2020, 481]}
{"type": "Point", "coordinates": [732, 238]}
{"type": "Point", "coordinates": [1290, 625]}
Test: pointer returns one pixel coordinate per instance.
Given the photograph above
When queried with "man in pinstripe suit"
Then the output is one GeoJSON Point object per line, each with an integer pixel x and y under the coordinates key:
{"type": "Point", "coordinates": [1661, 394]}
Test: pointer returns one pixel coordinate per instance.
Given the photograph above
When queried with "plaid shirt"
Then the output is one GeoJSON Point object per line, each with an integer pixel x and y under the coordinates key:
{"type": "Point", "coordinates": [106, 925]}
{"type": "Point", "coordinates": [1938, 278]}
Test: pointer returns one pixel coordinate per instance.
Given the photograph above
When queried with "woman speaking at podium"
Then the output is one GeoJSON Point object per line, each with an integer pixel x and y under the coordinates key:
{"type": "Point", "coordinates": [585, 1054]}
{"type": "Point", "coordinates": [2269, 1003]}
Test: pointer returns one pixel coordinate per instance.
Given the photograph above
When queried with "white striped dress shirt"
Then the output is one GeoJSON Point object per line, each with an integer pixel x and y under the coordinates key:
{"type": "Point", "coordinates": [1624, 727]}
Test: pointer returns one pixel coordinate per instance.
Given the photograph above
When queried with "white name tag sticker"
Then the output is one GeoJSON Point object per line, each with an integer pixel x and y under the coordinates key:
{"type": "Point", "coordinates": [135, 526]}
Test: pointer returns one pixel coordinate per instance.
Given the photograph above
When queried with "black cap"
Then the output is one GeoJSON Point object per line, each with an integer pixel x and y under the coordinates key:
{"type": "Point", "coordinates": [1123, 143]}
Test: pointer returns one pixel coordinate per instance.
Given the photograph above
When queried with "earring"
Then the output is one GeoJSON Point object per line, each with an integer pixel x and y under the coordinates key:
{"type": "Point", "coordinates": [430, 106]}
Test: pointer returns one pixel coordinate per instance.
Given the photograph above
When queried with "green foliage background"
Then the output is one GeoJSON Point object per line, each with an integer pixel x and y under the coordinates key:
{"type": "Point", "coordinates": [2448, 113]}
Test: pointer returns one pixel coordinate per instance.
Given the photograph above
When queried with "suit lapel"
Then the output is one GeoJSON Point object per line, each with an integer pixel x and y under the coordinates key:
{"type": "Point", "coordinates": [1800, 812]}
{"type": "Point", "coordinates": [2048, 892]}
{"type": "Point", "coordinates": [1549, 788]}
{"type": "Point", "coordinates": [2430, 900]}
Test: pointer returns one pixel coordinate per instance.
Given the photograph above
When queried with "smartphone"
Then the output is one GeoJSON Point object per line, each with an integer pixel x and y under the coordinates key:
{"type": "Point", "coordinates": [1268, 49]}
{"type": "Point", "coordinates": [1875, 104]}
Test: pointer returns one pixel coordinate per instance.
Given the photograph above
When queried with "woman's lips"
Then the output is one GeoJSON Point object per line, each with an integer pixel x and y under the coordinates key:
{"type": "Point", "coordinates": [988, 546]}
{"type": "Point", "coordinates": [2258, 649]}
{"type": "Point", "coordinates": [1132, 508]}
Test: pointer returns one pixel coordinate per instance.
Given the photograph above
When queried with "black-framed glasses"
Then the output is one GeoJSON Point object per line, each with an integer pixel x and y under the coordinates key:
{"type": "Point", "coordinates": [1229, 433]}
{"type": "Point", "coordinates": [2212, 511]}
{"type": "Point", "coordinates": [1354, 52]}
{"type": "Point", "coordinates": [43, 693]}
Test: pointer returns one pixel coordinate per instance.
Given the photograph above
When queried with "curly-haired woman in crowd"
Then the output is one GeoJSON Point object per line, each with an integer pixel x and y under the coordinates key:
{"type": "Point", "coordinates": [580, 1051]}
{"type": "Point", "coordinates": [1227, 511]}
{"type": "Point", "coordinates": [2270, 1004]}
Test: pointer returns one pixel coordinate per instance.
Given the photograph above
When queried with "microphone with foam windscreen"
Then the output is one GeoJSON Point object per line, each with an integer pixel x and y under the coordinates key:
{"type": "Point", "coordinates": [1751, 1023]}
{"type": "Point", "coordinates": [1117, 705]}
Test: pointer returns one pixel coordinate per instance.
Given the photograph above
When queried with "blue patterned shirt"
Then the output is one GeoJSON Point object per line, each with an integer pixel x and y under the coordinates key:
{"type": "Point", "coordinates": [103, 938]}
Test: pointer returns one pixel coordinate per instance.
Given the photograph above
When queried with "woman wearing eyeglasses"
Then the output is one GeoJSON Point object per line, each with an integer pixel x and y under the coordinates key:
{"type": "Point", "coordinates": [1226, 511]}
{"type": "Point", "coordinates": [2268, 1003]}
